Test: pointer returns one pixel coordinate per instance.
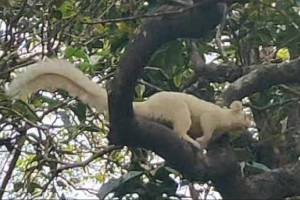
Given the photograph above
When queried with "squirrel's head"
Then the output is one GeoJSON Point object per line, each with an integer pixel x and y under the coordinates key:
{"type": "Point", "coordinates": [240, 119]}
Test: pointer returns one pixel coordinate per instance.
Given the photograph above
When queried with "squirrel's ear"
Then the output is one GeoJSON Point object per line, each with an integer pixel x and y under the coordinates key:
{"type": "Point", "coordinates": [236, 106]}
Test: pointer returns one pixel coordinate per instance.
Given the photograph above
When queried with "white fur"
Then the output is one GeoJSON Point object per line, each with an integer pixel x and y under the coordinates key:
{"type": "Point", "coordinates": [53, 74]}
{"type": "Point", "coordinates": [189, 114]}
{"type": "Point", "coordinates": [185, 112]}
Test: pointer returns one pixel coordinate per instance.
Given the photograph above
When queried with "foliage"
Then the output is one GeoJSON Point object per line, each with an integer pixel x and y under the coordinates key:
{"type": "Point", "coordinates": [62, 143]}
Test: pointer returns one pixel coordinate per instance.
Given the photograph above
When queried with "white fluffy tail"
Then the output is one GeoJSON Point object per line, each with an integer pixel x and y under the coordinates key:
{"type": "Point", "coordinates": [58, 74]}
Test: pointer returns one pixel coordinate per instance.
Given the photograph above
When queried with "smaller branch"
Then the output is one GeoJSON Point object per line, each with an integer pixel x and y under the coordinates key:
{"type": "Point", "coordinates": [89, 190]}
{"type": "Point", "coordinates": [90, 159]}
{"type": "Point", "coordinates": [107, 9]}
{"type": "Point", "coordinates": [194, 193]}
{"type": "Point", "coordinates": [158, 69]}
{"type": "Point", "coordinates": [12, 165]}
{"type": "Point", "coordinates": [289, 89]}
{"type": "Point", "coordinates": [198, 64]}
{"type": "Point", "coordinates": [220, 29]}
{"type": "Point", "coordinates": [7, 143]}
{"type": "Point", "coordinates": [24, 118]}
{"type": "Point", "coordinates": [15, 19]}
{"type": "Point", "coordinates": [45, 187]}
{"type": "Point", "coordinates": [196, 58]}
{"type": "Point", "coordinates": [56, 107]}
{"type": "Point", "coordinates": [270, 106]}
{"type": "Point", "coordinates": [158, 89]}
{"type": "Point", "coordinates": [106, 77]}
{"type": "Point", "coordinates": [144, 16]}
{"type": "Point", "coordinates": [23, 63]}
{"type": "Point", "coordinates": [43, 34]}
{"type": "Point", "coordinates": [261, 78]}
{"type": "Point", "coordinates": [6, 57]}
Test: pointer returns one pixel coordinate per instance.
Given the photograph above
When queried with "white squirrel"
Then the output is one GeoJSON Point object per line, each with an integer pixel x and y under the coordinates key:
{"type": "Point", "coordinates": [185, 112]}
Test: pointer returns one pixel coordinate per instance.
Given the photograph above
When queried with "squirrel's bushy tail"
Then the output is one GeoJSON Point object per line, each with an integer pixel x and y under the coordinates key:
{"type": "Point", "coordinates": [58, 74]}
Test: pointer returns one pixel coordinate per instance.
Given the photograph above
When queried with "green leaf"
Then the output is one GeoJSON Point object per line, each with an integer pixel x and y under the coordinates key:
{"type": "Point", "coordinates": [18, 186]}
{"type": "Point", "coordinates": [68, 9]}
{"type": "Point", "coordinates": [86, 67]}
{"type": "Point", "coordinates": [76, 52]}
{"type": "Point", "coordinates": [168, 56]}
{"type": "Point", "coordinates": [31, 187]}
{"type": "Point", "coordinates": [100, 177]}
{"type": "Point", "coordinates": [57, 14]}
{"type": "Point", "coordinates": [178, 80]}
{"type": "Point", "coordinates": [25, 110]}
{"type": "Point", "coordinates": [80, 111]}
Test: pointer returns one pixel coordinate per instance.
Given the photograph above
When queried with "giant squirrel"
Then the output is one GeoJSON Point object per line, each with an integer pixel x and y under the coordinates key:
{"type": "Point", "coordinates": [185, 112]}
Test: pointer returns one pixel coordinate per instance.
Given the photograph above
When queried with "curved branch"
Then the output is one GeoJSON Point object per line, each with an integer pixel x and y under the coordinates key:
{"type": "Point", "coordinates": [194, 24]}
{"type": "Point", "coordinates": [219, 164]}
{"type": "Point", "coordinates": [127, 130]}
{"type": "Point", "coordinates": [93, 157]}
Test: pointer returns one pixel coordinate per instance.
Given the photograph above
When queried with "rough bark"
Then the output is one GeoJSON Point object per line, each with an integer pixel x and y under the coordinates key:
{"type": "Point", "coordinates": [263, 77]}
{"type": "Point", "coordinates": [276, 184]}
{"type": "Point", "coordinates": [194, 23]}
{"type": "Point", "coordinates": [219, 164]}
{"type": "Point", "coordinates": [220, 73]}
{"type": "Point", "coordinates": [293, 133]}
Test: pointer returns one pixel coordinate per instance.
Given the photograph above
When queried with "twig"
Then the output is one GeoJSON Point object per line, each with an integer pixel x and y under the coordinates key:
{"type": "Point", "coordinates": [48, 183]}
{"type": "Point", "coordinates": [289, 89]}
{"type": "Point", "coordinates": [23, 118]}
{"type": "Point", "coordinates": [106, 77]}
{"type": "Point", "coordinates": [150, 85]}
{"type": "Point", "coordinates": [220, 29]}
{"type": "Point", "coordinates": [164, 74]}
{"type": "Point", "coordinates": [12, 165]}
{"type": "Point", "coordinates": [89, 190]}
{"type": "Point", "coordinates": [21, 64]}
{"type": "Point", "coordinates": [271, 105]}
{"type": "Point", "coordinates": [56, 107]}
{"type": "Point", "coordinates": [7, 143]}
{"type": "Point", "coordinates": [90, 159]}
{"type": "Point", "coordinates": [194, 193]}
{"type": "Point", "coordinates": [144, 16]}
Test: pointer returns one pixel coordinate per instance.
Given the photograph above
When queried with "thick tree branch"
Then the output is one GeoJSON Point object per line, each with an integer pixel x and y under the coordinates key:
{"type": "Point", "coordinates": [278, 183]}
{"type": "Point", "coordinates": [195, 23]}
{"type": "Point", "coordinates": [263, 77]}
{"type": "Point", "coordinates": [220, 73]}
{"type": "Point", "coordinates": [275, 184]}
{"type": "Point", "coordinates": [219, 164]}
{"type": "Point", "coordinates": [142, 133]}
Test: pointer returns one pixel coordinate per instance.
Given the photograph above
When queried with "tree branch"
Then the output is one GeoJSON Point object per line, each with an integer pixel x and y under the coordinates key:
{"type": "Point", "coordinates": [278, 183]}
{"type": "Point", "coordinates": [127, 130]}
{"type": "Point", "coordinates": [219, 164]}
{"type": "Point", "coordinates": [93, 157]}
{"type": "Point", "coordinates": [12, 164]}
{"type": "Point", "coordinates": [144, 16]}
{"type": "Point", "coordinates": [263, 77]}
